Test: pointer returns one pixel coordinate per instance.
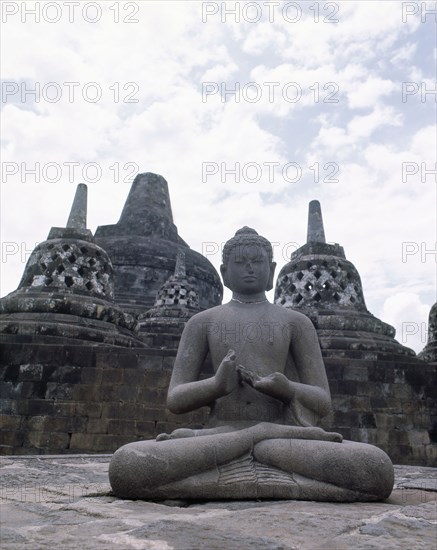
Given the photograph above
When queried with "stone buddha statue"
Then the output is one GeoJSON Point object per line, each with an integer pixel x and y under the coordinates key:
{"type": "Point", "coordinates": [268, 393]}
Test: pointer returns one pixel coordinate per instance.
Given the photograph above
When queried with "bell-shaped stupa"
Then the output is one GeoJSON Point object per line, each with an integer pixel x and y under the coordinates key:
{"type": "Point", "coordinates": [429, 352]}
{"type": "Point", "coordinates": [176, 301]}
{"type": "Point", "coordinates": [67, 290]}
{"type": "Point", "coordinates": [143, 246]}
{"type": "Point", "coordinates": [320, 282]}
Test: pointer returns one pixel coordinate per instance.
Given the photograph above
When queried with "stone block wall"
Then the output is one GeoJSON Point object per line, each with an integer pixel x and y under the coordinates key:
{"type": "Point", "coordinates": [92, 399]}
{"type": "Point", "coordinates": [387, 402]}
{"type": "Point", "coordinates": [68, 399]}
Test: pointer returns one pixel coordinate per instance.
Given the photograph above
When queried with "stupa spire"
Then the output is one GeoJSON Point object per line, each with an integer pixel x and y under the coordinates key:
{"type": "Point", "coordinates": [148, 200]}
{"type": "Point", "coordinates": [179, 270]}
{"type": "Point", "coordinates": [76, 224]}
{"type": "Point", "coordinates": [316, 232]}
{"type": "Point", "coordinates": [78, 213]}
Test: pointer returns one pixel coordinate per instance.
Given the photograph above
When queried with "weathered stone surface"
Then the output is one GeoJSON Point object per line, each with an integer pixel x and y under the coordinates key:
{"type": "Point", "coordinates": [381, 393]}
{"type": "Point", "coordinates": [66, 502]}
{"type": "Point", "coordinates": [71, 398]}
{"type": "Point", "coordinates": [320, 282]}
{"type": "Point", "coordinates": [143, 247]}
{"type": "Point", "coordinates": [267, 395]}
{"type": "Point", "coordinates": [176, 302]}
{"type": "Point", "coordinates": [429, 352]}
{"type": "Point", "coordinates": [67, 290]}
{"type": "Point", "coordinates": [362, 358]}
{"type": "Point", "coordinates": [385, 403]}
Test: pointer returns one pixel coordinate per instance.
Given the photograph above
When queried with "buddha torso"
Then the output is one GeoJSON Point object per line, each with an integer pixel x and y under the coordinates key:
{"type": "Point", "coordinates": [261, 336]}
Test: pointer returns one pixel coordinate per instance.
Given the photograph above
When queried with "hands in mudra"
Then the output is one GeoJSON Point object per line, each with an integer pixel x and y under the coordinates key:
{"type": "Point", "coordinates": [230, 374]}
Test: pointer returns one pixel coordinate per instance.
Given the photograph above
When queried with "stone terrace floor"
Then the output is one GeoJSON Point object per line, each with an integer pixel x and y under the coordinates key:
{"type": "Point", "coordinates": [65, 502]}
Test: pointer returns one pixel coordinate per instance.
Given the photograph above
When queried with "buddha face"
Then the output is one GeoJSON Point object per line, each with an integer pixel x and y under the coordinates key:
{"type": "Point", "coordinates": [248, 269]}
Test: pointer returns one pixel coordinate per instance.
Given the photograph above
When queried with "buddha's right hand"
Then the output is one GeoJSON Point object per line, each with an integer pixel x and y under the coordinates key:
{"type": "Point", "coordinates": [226, 377]}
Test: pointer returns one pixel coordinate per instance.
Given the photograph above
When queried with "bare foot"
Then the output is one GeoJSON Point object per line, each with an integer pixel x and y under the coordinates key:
{"type": "Point", "coordinates": [176, 434]}
{"type": "Point", "coordinates": [327, 436]}
{"type": "Point", "coordinates": [265, 430]}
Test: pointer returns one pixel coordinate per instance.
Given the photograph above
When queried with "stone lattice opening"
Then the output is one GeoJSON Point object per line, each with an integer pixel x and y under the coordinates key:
{"type": "Point", "coordinates": [433, 433]}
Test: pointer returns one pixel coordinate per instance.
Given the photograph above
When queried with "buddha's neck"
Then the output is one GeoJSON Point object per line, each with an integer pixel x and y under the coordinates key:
{"type": "Point", "coordinates": [257, 298]}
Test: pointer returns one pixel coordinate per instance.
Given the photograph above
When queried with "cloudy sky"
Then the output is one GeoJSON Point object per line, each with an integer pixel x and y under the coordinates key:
{"type": "Point", "coordinates": [249, 110]}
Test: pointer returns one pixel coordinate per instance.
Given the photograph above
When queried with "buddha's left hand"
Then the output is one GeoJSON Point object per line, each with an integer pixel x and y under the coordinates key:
{"type": "Point", "coordinates": [276, 385]}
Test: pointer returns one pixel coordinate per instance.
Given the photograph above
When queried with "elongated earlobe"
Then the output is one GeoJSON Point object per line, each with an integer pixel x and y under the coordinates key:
{"type": "Point", "coordinates": [272, 274]}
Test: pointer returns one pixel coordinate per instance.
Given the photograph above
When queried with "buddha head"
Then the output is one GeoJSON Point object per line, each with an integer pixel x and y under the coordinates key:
{"type": "Point", "coordinates": [247, 265]}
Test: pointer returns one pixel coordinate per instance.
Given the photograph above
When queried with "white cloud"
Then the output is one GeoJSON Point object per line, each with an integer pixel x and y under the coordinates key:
{"type": "Point", "coordinates": [403, 54]}
{"type": "Point", "coordinates": [367, 93]}
{"type": "Point", "coordinates": [364, 126]}
{"type": "Point", "coordinates": [406, 312]}
{"type": "Point", "coordinates": [172, 131]}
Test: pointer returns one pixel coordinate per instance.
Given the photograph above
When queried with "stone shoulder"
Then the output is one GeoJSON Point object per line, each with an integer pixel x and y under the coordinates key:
{"type": "Point", "coordinates": [205, 316]}
{"type": "Point", "coordinates": [284, 314]}
{"type": "Point", "coordinates": [292, 316]}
